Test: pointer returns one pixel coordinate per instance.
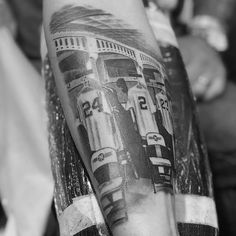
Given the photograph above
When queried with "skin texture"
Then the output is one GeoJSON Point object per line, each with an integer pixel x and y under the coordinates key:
{"type": "Point", "coordinates": [205, 68]}
{"type": "Point", "coordinates": [168, 5]}
{"type": "Point", "coordinates": [149, 211]}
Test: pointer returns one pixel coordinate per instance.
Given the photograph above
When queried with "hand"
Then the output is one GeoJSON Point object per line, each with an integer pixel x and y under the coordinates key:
{"type": "Point", "coordinates": [167, 5]}
{"type": "Point", "coordinates": [205, 68]}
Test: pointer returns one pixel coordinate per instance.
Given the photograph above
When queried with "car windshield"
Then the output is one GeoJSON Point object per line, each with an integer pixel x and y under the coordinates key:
{"type": "Point", "coordinates": [121, 68]}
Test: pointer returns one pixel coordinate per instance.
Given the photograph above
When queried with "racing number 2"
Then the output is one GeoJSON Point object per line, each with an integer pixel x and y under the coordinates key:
{"type": "Point", "coordinates": [89, 107]}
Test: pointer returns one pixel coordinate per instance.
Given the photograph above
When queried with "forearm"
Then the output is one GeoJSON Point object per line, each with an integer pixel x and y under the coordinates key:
{"type": "Point", "coordinates": [98, 51]}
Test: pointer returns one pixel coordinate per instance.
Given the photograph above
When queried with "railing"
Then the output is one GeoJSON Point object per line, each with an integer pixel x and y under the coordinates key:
{"type": "Point", "coordinates": [70, 43]}
{"type": "Point", "coordinates": [108, 46]}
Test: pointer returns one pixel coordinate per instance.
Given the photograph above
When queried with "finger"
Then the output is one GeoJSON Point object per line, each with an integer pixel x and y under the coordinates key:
{"type": "Point", "coordinates": [201, 84]}
{"type": "Point", "coordinates": [167, 4]}
{"type": "Point", "coordinates": [215, 88]}
{"type": "Point", "coordinates": [194, 70]}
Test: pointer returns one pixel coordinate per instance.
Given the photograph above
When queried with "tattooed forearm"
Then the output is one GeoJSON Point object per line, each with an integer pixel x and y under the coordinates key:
{"type": "Point", "coordinates": [117, 101]}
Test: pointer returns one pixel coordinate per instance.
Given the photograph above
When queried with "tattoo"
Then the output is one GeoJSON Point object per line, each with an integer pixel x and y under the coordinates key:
{"type": "Point", "coordinates": [77, 209]}
{"type": "Point", "coordinates": [120, 98]}
{"type": "Point", "coordinates": [97, 22]}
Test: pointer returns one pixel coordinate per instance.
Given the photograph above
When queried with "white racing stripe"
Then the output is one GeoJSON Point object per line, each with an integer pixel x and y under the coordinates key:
{"type": "Point", "coordinates": [195, 209]}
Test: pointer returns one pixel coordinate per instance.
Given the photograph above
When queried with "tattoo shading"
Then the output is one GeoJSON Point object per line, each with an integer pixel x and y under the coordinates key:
{"type": "Point", "coordinates": [120, 98]}
{"type": "Point", "coordinates": [77, 209]}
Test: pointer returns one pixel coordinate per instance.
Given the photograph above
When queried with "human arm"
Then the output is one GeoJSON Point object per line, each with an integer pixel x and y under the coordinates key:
{"type": "Point", "coordinates": [77, 34]}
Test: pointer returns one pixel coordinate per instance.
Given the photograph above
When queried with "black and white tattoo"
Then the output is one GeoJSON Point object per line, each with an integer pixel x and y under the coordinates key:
{"type": "Point", "coordinates": [120, 98]}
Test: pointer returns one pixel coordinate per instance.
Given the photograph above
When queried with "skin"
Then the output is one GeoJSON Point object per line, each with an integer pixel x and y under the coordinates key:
{"type": "Point", "coordinates": [206, 71]}
{"type": "Point", "coordinates": [148, 213]}
{"type": "Point", "coordinates": [168, 5]}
